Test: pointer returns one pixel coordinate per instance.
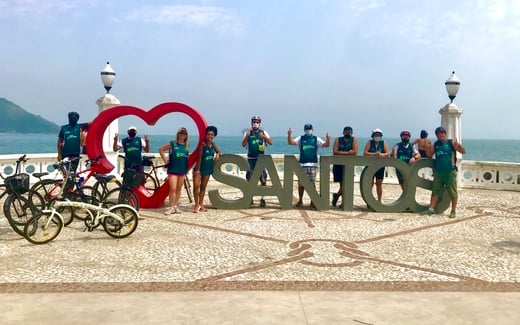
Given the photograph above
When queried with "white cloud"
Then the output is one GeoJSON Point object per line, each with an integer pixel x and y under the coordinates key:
{"type": "Point", "coordinates": [217, 18]}
{"type": "Point", "coordinates": [40, 8]}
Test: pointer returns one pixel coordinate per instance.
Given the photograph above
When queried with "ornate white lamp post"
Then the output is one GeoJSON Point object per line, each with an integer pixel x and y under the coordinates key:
{"type": "Point", "coordinates": [105, 102]}
{"type": "Point", "coordinates": [107, 77]}
{"type": "Point", "coordinates": [451, 113]}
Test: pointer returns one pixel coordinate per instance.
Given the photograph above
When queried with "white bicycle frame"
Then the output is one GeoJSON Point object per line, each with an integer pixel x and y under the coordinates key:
{"type": "Point", "coordinates": [100, 211]}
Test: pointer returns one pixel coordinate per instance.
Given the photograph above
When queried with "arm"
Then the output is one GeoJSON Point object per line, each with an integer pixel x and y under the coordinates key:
{"type": "Point", "coordinates": [355, 147]}
{"type": "Point", "coordinates": [290, 140]}
{"type": "Point", "coordinates": [394, 151]}
{"type": "Point", "coordinates": [59, 146]}
{"type": "Point", "coordinates": [146, 146]}
{"type": "Point", "coordinates": [335, 147]}
{"type": "Point", "coordinates": [458, 147]}
{"type": "Point", "coordinates": [386, 152]}
{"type": "Point", "coordinates": [115, 146]}
{"type": "Point", "coordinates": [196, 168]}
{"type": "Point", "coordinates": [244, 139]}
{"type": "Point", "coordinates": [366, 150]}
{"type": "Point", "coordinates": [161, 152]}
{"type": "Point", "coordinates": [327, 142]}
{"type": "Point", "coordinates": [264, 135]}
{"type": "Point", "coordinates": [217, 152]}
{"type": "Point", "coordinates": [430, 149]}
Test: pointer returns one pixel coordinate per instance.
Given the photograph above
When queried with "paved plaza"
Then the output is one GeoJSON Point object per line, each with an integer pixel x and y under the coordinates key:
{"type": "Point", "coordinates": [273, 266]}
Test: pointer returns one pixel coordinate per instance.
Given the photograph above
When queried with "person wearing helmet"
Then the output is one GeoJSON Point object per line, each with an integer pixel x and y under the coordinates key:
{"type": "Point", "coordinates": [256, 140]}
{"type": "Point", "coordinates": [69, 140]}
{"type": "Point", "coordinates": [344, 145]}
{"type": "Point", "coordinates": [377, 147]}
{"type": "Point", "coordinates": [133, 147]}
{"type": "Point", "coordinates": [444, 169]}
{"type": "Point", "coordinates": [423, 143]}
{"type": "Point", "coordinates": [308, 144]}
{"type": "Point", "coordinates": [405, 151]}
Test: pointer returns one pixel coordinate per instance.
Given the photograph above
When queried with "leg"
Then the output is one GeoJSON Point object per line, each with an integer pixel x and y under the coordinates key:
{"type": "Point", "coordinates": [203, 184]}
{"type": "Point", "coordinates": [178, 189]}
{"type": "Point", "coordinates": [379, 189]}
{"type": "Point", "coordinates": [197, 187]}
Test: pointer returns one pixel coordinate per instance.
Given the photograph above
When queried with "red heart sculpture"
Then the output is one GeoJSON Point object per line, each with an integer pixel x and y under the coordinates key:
{"type": "Point", "coordinates": [99, 125]}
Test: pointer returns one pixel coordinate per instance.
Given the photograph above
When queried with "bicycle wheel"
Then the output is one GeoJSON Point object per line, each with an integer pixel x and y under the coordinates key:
{"type": "Point", "coordinates": [81, 194]}
{"type": "Point", "coordinates": [150, 183]}
{"type": "Point", "coordinates": [120, 195]}
{"type": "Point", "coordinates": [43, 227]}
{"type": "Point", "coordinates": [118, 229]}
{"type": "Point", "coordinates": [18, 210]}
{"type": "Point", "coordinates": [67, 213]}
{"type": "Point", "coordinates": [102, 188]}
{"type": "Point", "coordinates": [47, 188]}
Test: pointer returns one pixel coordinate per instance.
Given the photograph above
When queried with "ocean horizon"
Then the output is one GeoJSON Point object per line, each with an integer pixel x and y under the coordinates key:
{"type": "Point", "coordinates": [477, 149]}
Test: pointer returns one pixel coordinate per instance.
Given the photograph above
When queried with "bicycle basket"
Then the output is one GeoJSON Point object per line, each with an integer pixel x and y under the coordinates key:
{"type": "Point", "coordinates": [17, 184]}
{"type": "Point", "coordinates": [132, 178]}
{"type": "Point", "coordinates": [147, 162]}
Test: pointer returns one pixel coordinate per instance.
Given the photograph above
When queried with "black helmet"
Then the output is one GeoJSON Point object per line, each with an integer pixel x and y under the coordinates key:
{"type": "Point", "coordinates": [256, 118]}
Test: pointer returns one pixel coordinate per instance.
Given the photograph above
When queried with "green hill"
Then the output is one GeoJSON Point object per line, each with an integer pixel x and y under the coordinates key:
{"type": "Point", "coordinates": [14, 119]}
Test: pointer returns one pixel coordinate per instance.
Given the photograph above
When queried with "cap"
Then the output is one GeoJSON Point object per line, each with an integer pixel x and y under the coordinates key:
{"type": "Point", "coordinates": [405, 132]}
{"type": "Point", "coordinates": [307, 126]}
{"type": "Point", "coordinates": [132, 128]}
{"type": "Point", "coordinates": [374, 131]}
{"type": "Point", "coordinates": [347, 128]}
{"type": "Point", "coordinates": [440, 129]}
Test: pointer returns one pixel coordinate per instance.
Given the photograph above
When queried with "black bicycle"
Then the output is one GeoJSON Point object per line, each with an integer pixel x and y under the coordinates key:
{"type": "Point", "coordinates": [18, 208]}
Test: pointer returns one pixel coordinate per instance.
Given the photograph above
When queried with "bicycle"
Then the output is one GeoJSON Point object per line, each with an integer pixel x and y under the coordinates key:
{"type": "Point", "coordinates": [50, 188]}
{"type": "Point", "coordinates": [119, 221]}
{"type": "Point", "coordinates": [18, 208]}
{"type": "Point", "coordinates": [76, 190]}
{"type": "Point", "coordinates": [151, 178]}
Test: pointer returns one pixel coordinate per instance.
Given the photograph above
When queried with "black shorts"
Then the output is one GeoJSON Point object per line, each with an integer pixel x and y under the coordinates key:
{"type": "Point", "coordinates": [337, 173]}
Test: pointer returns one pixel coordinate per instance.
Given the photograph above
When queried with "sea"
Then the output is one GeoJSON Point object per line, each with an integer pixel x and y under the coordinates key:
{"type": "Point", "coordinates": [476, 149]}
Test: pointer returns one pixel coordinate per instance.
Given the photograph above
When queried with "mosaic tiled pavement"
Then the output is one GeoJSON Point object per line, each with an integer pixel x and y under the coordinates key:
{"type": "Point", "coordinates": [273, 249]}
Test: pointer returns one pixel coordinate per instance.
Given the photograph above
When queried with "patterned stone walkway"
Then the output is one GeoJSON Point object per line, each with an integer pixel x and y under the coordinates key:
{"type": "Point", "coordinates": [268, 249]}
{"type": "Point", "coordinates": [273, 249]}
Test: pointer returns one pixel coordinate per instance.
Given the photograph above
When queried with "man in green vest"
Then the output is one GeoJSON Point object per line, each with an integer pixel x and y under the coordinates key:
{"type": "Point", "coordinates": [308, 144]}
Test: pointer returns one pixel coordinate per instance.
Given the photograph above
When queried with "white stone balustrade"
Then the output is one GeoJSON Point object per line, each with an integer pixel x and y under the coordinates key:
{"type": "Point", "coordinates": [472, 174]}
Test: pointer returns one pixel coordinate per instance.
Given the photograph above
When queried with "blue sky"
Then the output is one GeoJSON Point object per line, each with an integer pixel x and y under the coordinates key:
{"type": "Point", "coordinates": [367, 64]}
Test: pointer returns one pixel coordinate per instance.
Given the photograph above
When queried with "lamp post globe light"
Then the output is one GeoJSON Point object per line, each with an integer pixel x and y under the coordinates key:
{"type": "Point", "coordinates": [107, 77]}
{"type": "Point", "coordinates": [452, 86]}
{"type": "Point", "coordinates": [105, 102]}
{"type": "Point", "coordinates": [451, 113]}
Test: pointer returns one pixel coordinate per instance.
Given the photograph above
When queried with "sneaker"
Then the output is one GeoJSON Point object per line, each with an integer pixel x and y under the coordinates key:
{"type": "Point", "coordinates": [335, 197]}
{"type": "Point", "coordinates": [299, 204]}
{"type": "Point", "coordinates": [177, 210]}
{"type": "Point", "coordinates": [428, 212]}
{"type": "Point", "coordinates": [169, 211]}
{"type": "Point", "coordinates": [262, 203]}
{"type": "Point", "coordinates": [452, 214]}
{"type": "Point", "coordinates": [203, 208]}
{"type": "Point", "coordinates": [196, 209]}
